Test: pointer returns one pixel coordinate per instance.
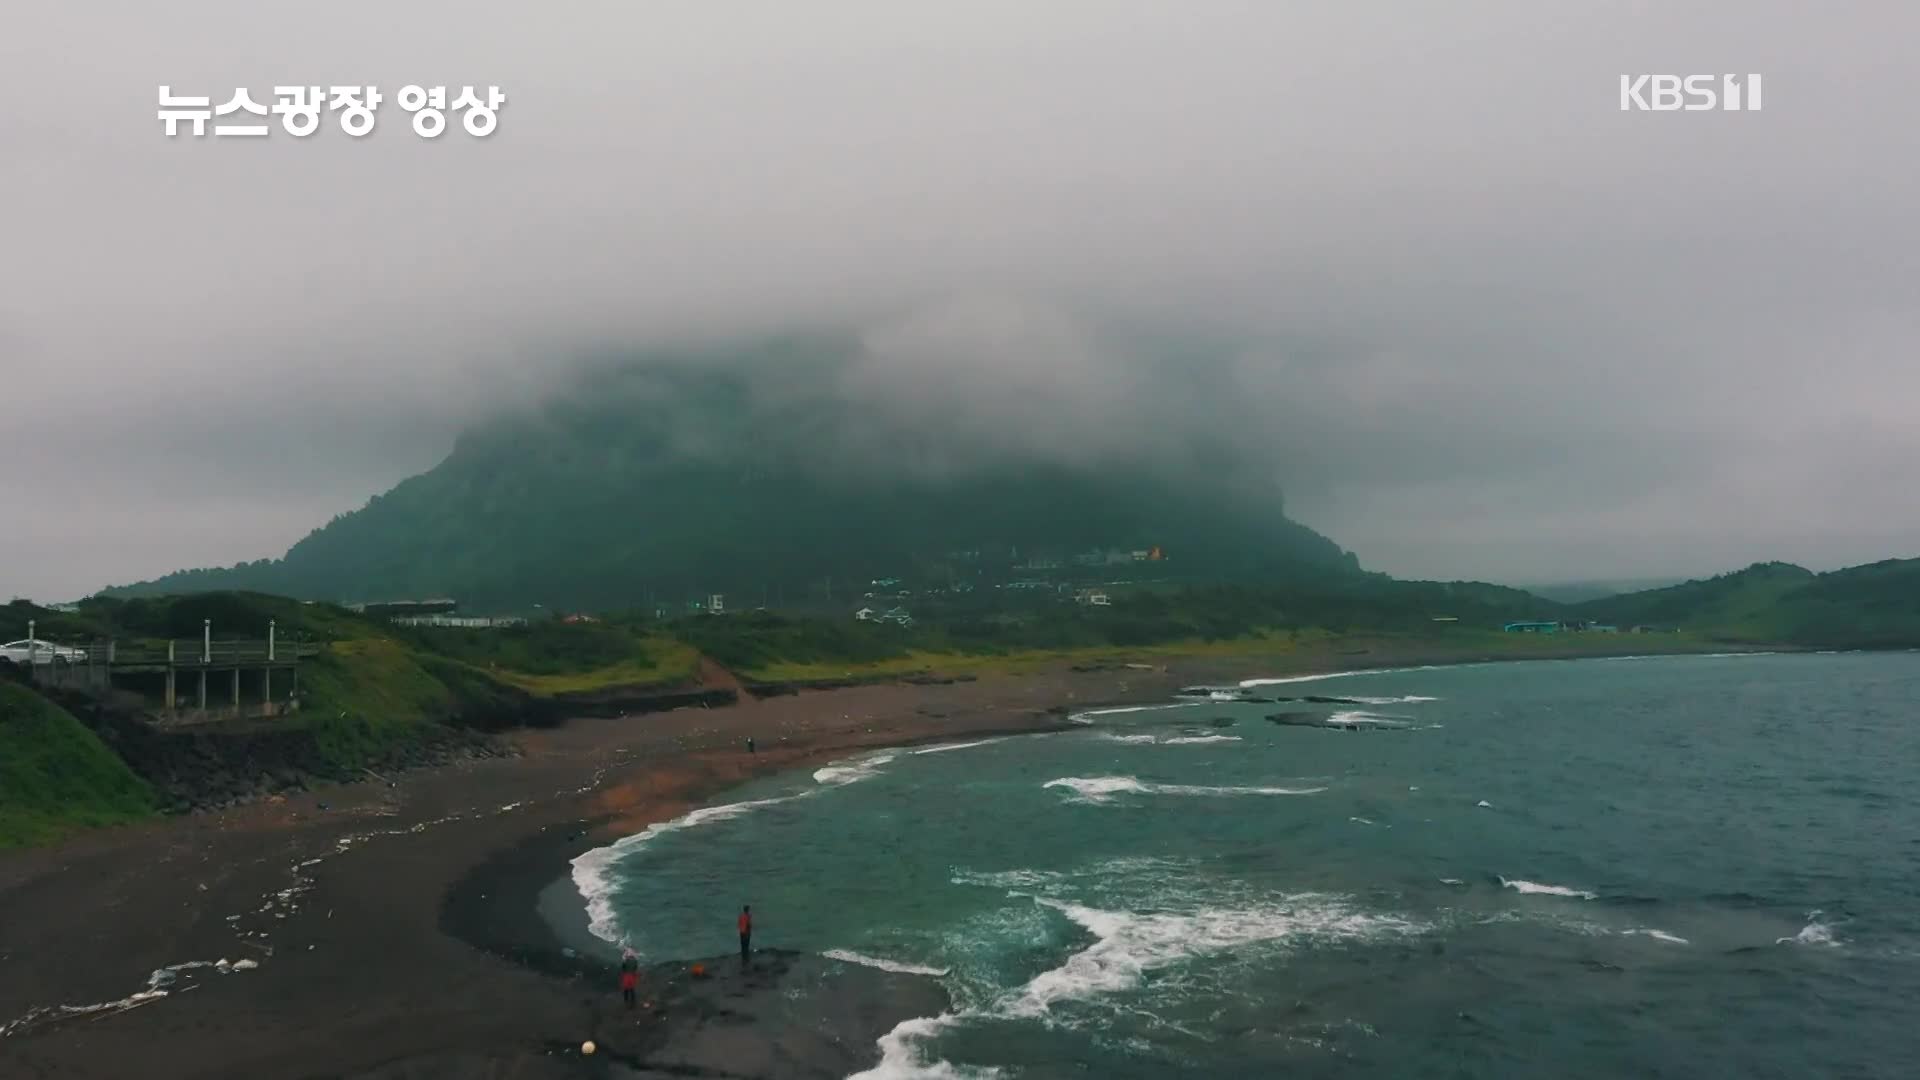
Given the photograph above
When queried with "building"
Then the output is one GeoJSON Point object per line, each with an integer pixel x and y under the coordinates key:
{"type": "Point", "coordinates": [1533, 627]}
{"type": "Point", "coordinates": [865, 614]}
{"type": "Point", "coordinates": [392, 608]}
{"type": "Point", "coordinates": [461, 622]}
{"type": "Point", "coordinates": [1093, 598]}
{"type": "Point", "coordinates": [897, 616]}
{"type": "Point", "coordinates": [577, 618]}
{"type": "Point", "coordinates": [716, 604]}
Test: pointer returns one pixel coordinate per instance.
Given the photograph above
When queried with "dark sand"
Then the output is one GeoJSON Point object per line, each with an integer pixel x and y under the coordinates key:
{"type": "Point", "coordinates": [399, 933]}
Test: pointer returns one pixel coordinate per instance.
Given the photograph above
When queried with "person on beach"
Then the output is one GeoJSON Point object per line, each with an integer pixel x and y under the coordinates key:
{"type": "Point", "coordinates": [746, 933]}
{"type": "Point", "coordinates": [629, 977]}
{"type": "Point", "coordinates": [750, 748]}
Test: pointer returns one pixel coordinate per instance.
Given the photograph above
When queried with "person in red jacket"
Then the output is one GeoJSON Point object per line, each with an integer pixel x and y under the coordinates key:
{"type": "Point", "coordinates": [746, 933]}
{"type": "Point", "coordinates": [629, 977]}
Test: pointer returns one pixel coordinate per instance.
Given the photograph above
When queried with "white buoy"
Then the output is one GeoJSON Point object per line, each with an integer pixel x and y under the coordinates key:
{"type": "Point", "coordinates": [587, 1047]}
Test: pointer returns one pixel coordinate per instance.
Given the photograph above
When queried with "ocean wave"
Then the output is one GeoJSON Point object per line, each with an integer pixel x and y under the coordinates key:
{"type": "Point", "coordinates": [1178, 740]}
{"type": "Point", "coordinates": [944, 747]}
{"type": "Point", "coordinates": [901, 1059]}
{"type": "Point", "coordinates": [1535, 888]}
{"type": "Point", "coordinates": [1102, 788]}
{"type": "Point", "coordinates": [1657, 935]}
{"type": "Point", "coordinates": [1407, 699]}
{"type": "Point", "coordinates": [1127, 945]}
{"type": "Point", "coordinates": [848, 956]}
{"type": "Point", "coordinates": [843, 773]}
{"type": "Point", "coordinates": [1359, 717]}
{"type": "Point", "coordinates": [1814, 933]}
{"type": "Point", "coordinates": [592, 870]}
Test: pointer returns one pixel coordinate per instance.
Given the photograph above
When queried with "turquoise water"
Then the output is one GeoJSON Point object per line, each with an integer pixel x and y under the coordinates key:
{"type": "Point", "coordinates": [1656, 867]}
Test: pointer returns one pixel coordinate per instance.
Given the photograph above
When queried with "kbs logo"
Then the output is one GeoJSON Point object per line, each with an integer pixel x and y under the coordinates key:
{"type": "Point", "coordinates": [1693, 93]}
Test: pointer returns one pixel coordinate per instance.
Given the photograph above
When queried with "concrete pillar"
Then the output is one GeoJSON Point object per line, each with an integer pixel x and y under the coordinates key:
{"type": "Point", "coordinates": [236, 689]}
{"type": "Point", "coordinates": [270, 628]}
{"type": "Point", "coordinates": [203, 689]}
{"type": "Point", "coordinates": [266, 687]}
{"type": "Point", "coordinates": [170, 694]}
{"type": "Point", "coordinates": [33, 650]}
{"type": "Point", "coordinates": [206, 641]}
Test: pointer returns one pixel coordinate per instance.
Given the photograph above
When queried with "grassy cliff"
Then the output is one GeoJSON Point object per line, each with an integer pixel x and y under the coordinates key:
{"type": "Point", "coordinates": [56, 775]}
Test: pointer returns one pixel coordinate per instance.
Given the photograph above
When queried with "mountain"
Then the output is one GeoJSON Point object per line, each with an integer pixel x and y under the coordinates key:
{"type": "Point", "coordinates": [1579, 592]}
{"type": "Point", "coordinates": [1871, 606]}
{"type": "Point", "coordinates": [667, 482]}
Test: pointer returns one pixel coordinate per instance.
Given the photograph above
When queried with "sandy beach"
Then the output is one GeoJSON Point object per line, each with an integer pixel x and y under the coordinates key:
{"type": "Point", "coordinates": [397, 932]}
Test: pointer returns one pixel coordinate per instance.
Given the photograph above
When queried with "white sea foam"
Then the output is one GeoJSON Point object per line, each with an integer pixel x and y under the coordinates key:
{"type": "Point", "coordinates": [592, 869]}
{"type": "Point", "coordinates": [849, 772]}
{"type": "Point", "coordinates": [1360, 820]}
{"type": "Point", "coordinates": [1536, 888]}
{"type": "Point", "coordinates": [1451, 881]}
{"type": "Point", "coordinates": [1657, 935]}
{"type": "Point", "coordinates": [1128, 945]}
{"type": "Point", "coordinates": [848, 956]}
{"type": "Point", "coordinates": [1360, 717]}
{"type": "Point", "coordinates": [1108, 736]}
{"type": "Point", "coordinates": [1408, 699]}
{"type": "Point", "coordinates": [901, 1059]}
{"type": "Point", "coordinates": [944, 747]}
{"type": "Point", "coordinates": [1484, 804]}
{"type": "Point", "coordinates": [1814, 933]}
{"type": "Point", "coordinates": [1102, 788]}
{"type": "Point", "coordinates": [1200, 740]}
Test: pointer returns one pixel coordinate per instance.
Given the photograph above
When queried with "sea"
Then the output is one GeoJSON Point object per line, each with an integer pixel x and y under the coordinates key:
{"type": "Point", "coordinates": [1646, 867]}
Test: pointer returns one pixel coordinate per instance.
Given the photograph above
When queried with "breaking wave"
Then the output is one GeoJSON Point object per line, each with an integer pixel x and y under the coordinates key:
{"type": "Point", "coordinates": [1535, 888]}
{"type": "Point", "coordinates": [852, 771]}
{"type": "Point", "coordinates": [1103, 788]}
{"type": "Point", "coordinates": [1128, 945]}
{"type": "Point", "coordinates": [1178, 740]}
{"type": "Point", "coordinates": [1814, 933]}
{"type": "Point", "coordinates": [848, 956]}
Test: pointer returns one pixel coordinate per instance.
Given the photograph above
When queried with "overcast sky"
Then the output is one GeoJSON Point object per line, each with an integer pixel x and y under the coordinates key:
{"type": "Point", "coordinates": [1489, 325]}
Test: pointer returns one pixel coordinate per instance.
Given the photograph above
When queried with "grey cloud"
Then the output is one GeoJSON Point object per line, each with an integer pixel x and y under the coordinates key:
{"type": "Point", "coordinates": [1413, 260]}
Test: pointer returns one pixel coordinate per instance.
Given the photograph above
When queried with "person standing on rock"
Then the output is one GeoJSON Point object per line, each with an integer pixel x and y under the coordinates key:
{"type": "Point", "coordinates": [629, 977]}
{"type": "Point", "coordinates": [746, 933]}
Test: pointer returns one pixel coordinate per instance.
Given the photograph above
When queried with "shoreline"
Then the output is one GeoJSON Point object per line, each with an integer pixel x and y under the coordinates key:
{"type": "Point", "coordinates": [401, 932]}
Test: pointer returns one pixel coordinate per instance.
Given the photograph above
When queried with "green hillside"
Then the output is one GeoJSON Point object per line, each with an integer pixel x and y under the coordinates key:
{"type": "Point", "coordinates": [1871, 606]}
{"type": "Point", "coordinates": [57, 776]}
{"type": "Point", "coordinates": [649, 484]}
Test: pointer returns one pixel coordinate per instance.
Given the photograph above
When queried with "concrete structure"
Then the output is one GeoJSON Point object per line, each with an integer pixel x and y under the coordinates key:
{"type": "Point", "coordinates": [200, 659]}
{"type": "Point", "coordinates": [1533, 627]}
